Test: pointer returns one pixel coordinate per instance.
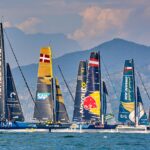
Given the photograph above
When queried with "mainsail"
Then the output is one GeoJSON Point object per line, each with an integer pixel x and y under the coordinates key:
{"type": "Point", "coordinates": [44, 103]}
{"type": "Point", "coordinates": [3, 91]}
{"type": "Point", "coordinates": [80, 91]}
{"type": "Point", "coordinates": [128, 97]}
{"type": "Point", "coordinates": [143, 120]}
{"type": "Point", "coordinates": [13, 107]}
{"type": "Point", "coordinates": [61, 112]}
{"type": "Point", "coordinates": [92, 102]}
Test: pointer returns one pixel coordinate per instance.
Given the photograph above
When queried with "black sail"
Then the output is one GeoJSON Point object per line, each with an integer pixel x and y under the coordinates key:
{"type": "Point", "coordinates": [13, 107]}
{"type": "Point", "coordinates": [80, 91]}
{"type": "Point", "coordinates": [2, 75]}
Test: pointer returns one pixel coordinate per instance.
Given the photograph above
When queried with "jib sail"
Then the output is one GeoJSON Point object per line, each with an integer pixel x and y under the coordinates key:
{"type": "Point", "coordinates": [13, 107]}
{"type": "Point", "coordinates": [61, 112]}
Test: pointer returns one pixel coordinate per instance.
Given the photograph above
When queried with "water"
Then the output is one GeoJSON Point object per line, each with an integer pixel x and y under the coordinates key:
{"type": "Point", "coordinates": [74, 141]}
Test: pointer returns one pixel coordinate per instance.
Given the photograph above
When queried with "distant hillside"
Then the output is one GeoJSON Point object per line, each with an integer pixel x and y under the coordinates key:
{"type": "Point", "coordinates": [27, 46]}
{"type": "Point", "coordinates": [113, 54]}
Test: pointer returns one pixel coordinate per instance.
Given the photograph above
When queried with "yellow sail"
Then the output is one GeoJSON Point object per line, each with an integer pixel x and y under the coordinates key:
{"type": "Point", "coordinates": [61, 112]}
{"type": "Point", "coordinates": [59, 97]}
{"type": "Point", "coordinates": [45, 64]}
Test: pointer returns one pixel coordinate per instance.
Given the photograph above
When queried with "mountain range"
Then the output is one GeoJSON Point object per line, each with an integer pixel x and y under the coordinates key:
{"type": "Point", "coordinates": [113, 55]}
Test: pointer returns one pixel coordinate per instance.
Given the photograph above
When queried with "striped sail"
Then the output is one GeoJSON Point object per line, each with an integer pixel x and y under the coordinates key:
{"type": "Point", "coordinates": [92, 103]}
{"type": "Point", "coordinates": [3, 87]}
{"type": "Point", "coordinates": [143, 120]}
{"type": "Point", "coordinates": [127, 98]}
{"type": "Point", "coordinates": [43, 109]}
{"type": "Point", "coordinates": [61, 112]}
{"type": "Point", "coordinates": [13, 107]}
{"type": "Point", "coordinates": [80, 91]}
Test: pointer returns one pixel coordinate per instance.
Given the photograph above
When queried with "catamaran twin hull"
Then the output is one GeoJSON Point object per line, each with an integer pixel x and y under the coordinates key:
{"type": "Point", "coordinates": [69, 130]}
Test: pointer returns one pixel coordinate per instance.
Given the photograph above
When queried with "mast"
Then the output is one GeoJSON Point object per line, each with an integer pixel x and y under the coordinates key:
{"type": "Point", "coordinates": [2, 75]}
{"type": "Point", "coordinates": [135, 96]}
{"type": "Point", "coordinates": [100, 90]}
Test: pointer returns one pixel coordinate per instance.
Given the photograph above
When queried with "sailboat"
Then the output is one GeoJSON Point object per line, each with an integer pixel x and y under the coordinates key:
{"type": "Point", "coordinates": [10, 108]}
{"type": "Point", "coordinates": [131, 110]}
{"type": "Point", "coordinates": [11, 114]}
{"type": "Point", "coordinates": [90, 104]}
{"type": "Point", "coordinates": [49, 109]}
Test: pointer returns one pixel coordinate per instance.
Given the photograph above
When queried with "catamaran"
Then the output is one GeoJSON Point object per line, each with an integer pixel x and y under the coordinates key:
{"type": "Point", "coordinates": [132, 115]}
{"type": "Point", "coordinates": [11, 114]}
{"type": "Point", "coordinates": [49, 110]}
{"type": "Point", "coordinates": [90, 108]}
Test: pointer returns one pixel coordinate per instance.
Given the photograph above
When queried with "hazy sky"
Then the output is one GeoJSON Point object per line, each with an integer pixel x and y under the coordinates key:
{"type": "Point", "coordinates": [89, 22]}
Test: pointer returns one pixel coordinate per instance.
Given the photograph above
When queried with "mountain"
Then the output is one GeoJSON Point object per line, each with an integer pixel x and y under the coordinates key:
{"type": "Point", "coordinates": [113, 54]}
{"type": "Point", "coordinates": [26, 46]}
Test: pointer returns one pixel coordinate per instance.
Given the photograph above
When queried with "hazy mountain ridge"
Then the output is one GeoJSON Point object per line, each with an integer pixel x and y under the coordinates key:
{"type": "Point", "coordinates": [113, 55]}
{"type": "Point", "coordinates": [26, 46]}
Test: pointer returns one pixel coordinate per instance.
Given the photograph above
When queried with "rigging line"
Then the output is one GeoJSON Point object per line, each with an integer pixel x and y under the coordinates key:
{"type": "Point", "coordinates": [138, 73]}
{"type": "Point", "coordinates": [21, 72]}
{"type": "Point", "coordinates": [66, 83]}
{"type": "Point", "coordinates": [109, 78]}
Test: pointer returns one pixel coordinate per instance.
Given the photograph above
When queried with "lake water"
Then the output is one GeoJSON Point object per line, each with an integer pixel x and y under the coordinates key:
{"type": "Point", "coordinates": [74, 141]}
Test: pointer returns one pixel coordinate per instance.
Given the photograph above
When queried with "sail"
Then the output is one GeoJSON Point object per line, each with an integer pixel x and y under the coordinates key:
{"type": "Point", "coordinates": [13, 107]}
{"type": "Point", "coordinates": [80, 91]}
{"type": "Point", "coordinates": [3, 91]}
{"type": "Point", "coordinates": [105, 93]}
{"type": "Point", "coordinates": [127, 98]}
{"type": "Point", "coordinates": [143, 120]}
{"type": "Point", "coordinates": [61, 112]}
{"type": "Point", "coordinates": [92, 104]}
{"type": "Point", "coordinates": [43, 109]}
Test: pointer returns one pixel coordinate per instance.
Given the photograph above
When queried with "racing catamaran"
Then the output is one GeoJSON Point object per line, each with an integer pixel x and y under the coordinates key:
{"type": "Point", "coordinates": [90, 102]}
{"type": "Point", "coordinates": [131, 110]}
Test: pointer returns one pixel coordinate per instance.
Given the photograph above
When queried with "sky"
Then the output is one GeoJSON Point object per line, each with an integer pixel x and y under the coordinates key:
{"type": "Point", "coordinates": [89, 22]}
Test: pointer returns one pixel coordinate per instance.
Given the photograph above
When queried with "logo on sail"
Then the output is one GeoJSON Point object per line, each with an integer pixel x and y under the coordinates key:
{"type": "Point", "coordinates": [89, 103]}
{"type": "Point", "coordinates": [42, 96]}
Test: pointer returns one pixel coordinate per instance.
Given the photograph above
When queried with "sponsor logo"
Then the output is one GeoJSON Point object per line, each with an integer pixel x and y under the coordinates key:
{"type": "Point", "coordinates": [83, 91]}
{"type": "Point", "coordinates": [42, 96]}
{"type": "Point", "coordinates": [89, 103]}
{"type": "Point", "coordinates": [127, 88]}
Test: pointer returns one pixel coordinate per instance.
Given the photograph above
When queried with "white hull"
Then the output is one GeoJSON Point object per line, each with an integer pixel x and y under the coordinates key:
{"type": "Point", "coordinates": [119, 129]}
{"type": "Point", "coordinates": [22, 130]}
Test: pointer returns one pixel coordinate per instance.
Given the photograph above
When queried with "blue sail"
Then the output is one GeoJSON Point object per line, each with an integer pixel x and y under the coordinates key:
{"type": "Point", "coordinates": [92, 104]}
{"type": "Point", "coordinates": [105, 93]}
{"type": "Point", "coordinates": [127, 98]}
{"type": "Point", "coordinates": [80, 91]}
{"type": "Point", "coordinates": [143, 120]}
